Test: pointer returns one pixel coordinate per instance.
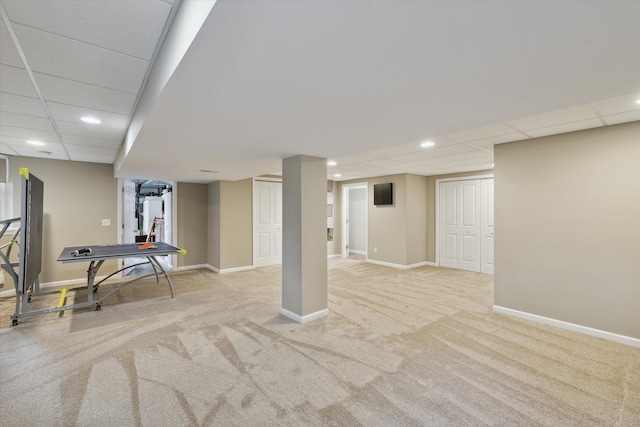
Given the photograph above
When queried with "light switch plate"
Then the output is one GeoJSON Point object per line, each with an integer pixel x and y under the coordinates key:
{"type": "Point", "coordinates": [106, 222]}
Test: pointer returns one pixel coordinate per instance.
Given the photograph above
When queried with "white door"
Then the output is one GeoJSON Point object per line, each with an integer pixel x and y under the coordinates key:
{"type": "Point", "coordinates": [486, 220]}
{"type": "Point", "coordinates": [267, 211]}
{"type": "Point", "coordinates": [460, 225]}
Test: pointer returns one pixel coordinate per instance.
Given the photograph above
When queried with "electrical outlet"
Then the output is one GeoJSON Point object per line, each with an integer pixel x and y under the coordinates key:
{"type": "Point", "coordinates": [106, 222]}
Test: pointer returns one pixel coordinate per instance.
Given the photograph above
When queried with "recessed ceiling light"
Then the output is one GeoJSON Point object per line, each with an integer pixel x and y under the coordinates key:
{"type": "Point", "coordinates": [90, 120]}
{"type": "Point", "coordinates": [337, 175]}
{"type": "Point", "coordinates": [638, 101]}
{"type": "Point", "coordinates": [493, 164]}
{"type": "Point", "coordinates": [427, 144]}
{"type": "Point", "coordinates": [331, 163]}
{"type": "Point", "coordinates": [32, 142]}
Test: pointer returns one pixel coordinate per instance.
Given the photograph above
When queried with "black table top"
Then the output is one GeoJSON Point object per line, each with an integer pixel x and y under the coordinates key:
{"type": "Point", "coordinates": [124, 250]}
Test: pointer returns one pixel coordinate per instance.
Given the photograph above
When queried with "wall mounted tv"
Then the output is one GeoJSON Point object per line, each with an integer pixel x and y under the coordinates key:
{"type": "Point", "coordinates": [383, 194]}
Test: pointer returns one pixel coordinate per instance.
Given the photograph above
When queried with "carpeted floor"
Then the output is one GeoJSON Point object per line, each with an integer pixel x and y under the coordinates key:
{"type": "Point", "coordinates": [399, 348]}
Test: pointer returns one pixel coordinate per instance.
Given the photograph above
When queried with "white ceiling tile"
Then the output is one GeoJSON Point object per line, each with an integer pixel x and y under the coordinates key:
{"type": "Point", "coordinates": [566, 127]}
{"type": "Point", "coordinates": [25, 121]}
{"type": "Point", "coordinates": [92, 158]}
{"type": "Point", "coordinates": [382, 153]}
{"type": "Point", "coordinates": [25, 133]}
{"type": "Point", "coordinates": [8, 52]}
{"type": "Point", "coordinates": [619, 104]}
{"type": "Point", "coordinates": [629, 116]}
{"type": "Point", "coordinates": [59, 56]}
{"type": "Point", "coordinates": [7, 149]}
{"type": "Point", "coordinates": [354, 158]}
{"type": "Point", "coordinates": [22, 148]}
{"type": "Point", "coordinates": [93, 131]}
{"type": "Point", "coordinates": [71, 92]}
{"type": "Point", "coordinates": [93, 142]}
{"type": "Point", "coordinates": [132, 27]}
{"type": "Point", "coordinates": [85, 149]}
{"type": "Point", "coordinates": [487, 144]}
{"type": "Point", "coordinates": [413, 157]}
{"type": "Point", "coordinates": [554, 118]}
{"type": "Point", "coordinates": [16, 81]}
{"type": "Point", "coordinates": [440, 141]}
{"type": "Point", "coordinates": [380, 163]}
{"type": "Point", "coordinates": [72, 113]}
{"type": "Point", "coordinates": [484, 132]}
{"type": "Point", "coordinates": [21, 105]}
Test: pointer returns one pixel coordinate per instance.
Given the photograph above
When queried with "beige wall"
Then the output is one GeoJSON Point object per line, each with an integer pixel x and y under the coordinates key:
{"type": "Point", "coordinates": [236, 224]}
{"type": "Point", "coordinates": [568, 227]}
{"type": "Point", "coordinates": [191, 211]}
{"type": "Point", "coordinates": [213, 219]}
{"type": "Point", "coordinates": [432, 234]}
{"type": "Point", "coordinates": [77, 196]}
{"type": "Point", "coordinates": [397, 231]}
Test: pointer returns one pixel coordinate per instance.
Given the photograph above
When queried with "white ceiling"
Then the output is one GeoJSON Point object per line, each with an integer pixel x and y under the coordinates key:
{"type": "Point", "coordinates": [361, 83]}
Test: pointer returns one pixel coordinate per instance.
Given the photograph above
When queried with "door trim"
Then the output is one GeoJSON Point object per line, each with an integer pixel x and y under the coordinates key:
{"type": "Point", "coordinates": [343, 217]}
{"type": "Point", "coordinates": [437, 190]}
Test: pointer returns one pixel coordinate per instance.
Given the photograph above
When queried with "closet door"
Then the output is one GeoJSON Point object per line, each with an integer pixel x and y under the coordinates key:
{"type": "Point", "coordinates": [486, 220]}
{"type": "Point", "coordinates": [460, 229]}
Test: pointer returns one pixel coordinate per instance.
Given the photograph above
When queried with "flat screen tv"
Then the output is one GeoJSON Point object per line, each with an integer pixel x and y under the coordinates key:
{"type": "Point", "coordinates": [383, 194]}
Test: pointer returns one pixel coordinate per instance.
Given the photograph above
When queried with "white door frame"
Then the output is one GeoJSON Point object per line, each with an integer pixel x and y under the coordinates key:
{"type": "Point", "coordinates": [174, 221]}
{"type": "Point", "coordinates": [253, 213]}
{"type": "Point", "coordinates": [438, 181]}
{"type": "Point", "coordinates": [343, 217]}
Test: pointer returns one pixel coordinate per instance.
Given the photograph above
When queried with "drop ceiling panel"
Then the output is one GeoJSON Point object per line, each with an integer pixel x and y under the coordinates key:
{"type": "Point", "coordinates": [554, 118]}
{"type": "Point", "coordinates": [566, 127]}
{"type": "Point", "coordinates": [56, 150]}
{"type": "Point", "coordinates": [92, 142]}
{"type": "Point", "coordinates": [132, 27]}
{"type": "Point", "coordinates": [74, 60]}
{"type": "Point", "coordinates": [439, 141]}
{"type": "Point", "coordinates": [25, 121]}
{"type": "Point", "coordinates": [487, 144]}
{"type": "Point", "coordinates": [92, 158]}
{"type": "Point", "coordinates": [8, 53]}
{"type": "Point", "coordinates": [66, 91]}
{"type": "Point", "coordinates": [380, 163]}
{"type": "Point", "coordinates": [355, 158]}
{"type": "Point", "coordinates": [25, 133]}
{"type": "Point", "coordinates": [484, 132]}
{"type": "Point", "coordinates": [72, 113]}
{"type": "Point", "coordinates": [21, 105]}
{"type": "Point", "coordinates": [629, 116]}
{"type": "Point", "coordinates": [92, 131]}
{"type": "Point", "coordinates": [72, 148]}
{"type": "Point", "coordinates": [382, 153]}
{"type": "Point", "coordinates": [16, 81]}
{"type": "Point", "coordinates": [619, 104]}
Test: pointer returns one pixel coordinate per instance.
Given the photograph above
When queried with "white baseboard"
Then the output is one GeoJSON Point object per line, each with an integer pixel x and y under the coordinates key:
{"type": "Point", "coordinates": [334, 256]}
{"type": "Point", "coordinates": [304, 319]}
{"type": "Point", "coordinates": [192, 267]}
{"type": "Point", "coordinates": [355, 251]}
{"type": "Point", "coordinates": [401, 266]}
{"type": "Point", "coordinates": [622, 339]}
{"type": "Point", "coordinates": [61, 283]}
{"type": "Point", "coordinates": [229, 270]}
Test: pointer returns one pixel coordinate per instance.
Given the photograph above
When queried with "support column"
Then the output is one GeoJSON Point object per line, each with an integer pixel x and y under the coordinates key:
{"type": "Point", "coordinates": [304, 238]}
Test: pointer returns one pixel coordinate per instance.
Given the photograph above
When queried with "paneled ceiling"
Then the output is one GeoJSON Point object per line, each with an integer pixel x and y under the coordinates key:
{"type": "Point", "coordinates": [360, 83]}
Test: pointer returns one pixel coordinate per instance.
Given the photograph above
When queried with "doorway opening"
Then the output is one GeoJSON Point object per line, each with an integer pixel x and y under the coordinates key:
{"type": "Point", "coordinates": [354, 221]}
{"type": "Point", "coordinates": [147, 215]}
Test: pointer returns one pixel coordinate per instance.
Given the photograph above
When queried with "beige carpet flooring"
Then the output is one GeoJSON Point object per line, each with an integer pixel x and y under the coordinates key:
{"type": "Point", "coordinates": [399, 348]}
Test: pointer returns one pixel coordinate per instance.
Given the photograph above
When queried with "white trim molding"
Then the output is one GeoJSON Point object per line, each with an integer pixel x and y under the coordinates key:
{"type": "Point", "coordinates": [334, 256]}
{"type": "Point", "coordinates": [304, 319]}
{"type": "Point", "coordinates": [622, 339]}
{"type": "Point", "coordinates": [228, 270]}
{"type": "Point", "coordinates": [192, 267]}
{"type": "Point", "coordinates": [401, 266]}
{"type": "Point", "coordinates": [61, 283]}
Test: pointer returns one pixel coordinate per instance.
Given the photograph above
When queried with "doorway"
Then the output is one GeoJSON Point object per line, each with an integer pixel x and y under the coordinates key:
{"type": "Point", "coordinates": [267, 222]}
{"type": "Point", "coordinates": [465, 224]}
{"type": "Point", "coordinates": [147, 214]}
{"type": "Point", "coordinates": [354, 221]}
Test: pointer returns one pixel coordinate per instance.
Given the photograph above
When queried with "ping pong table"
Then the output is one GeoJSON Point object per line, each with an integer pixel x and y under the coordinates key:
{"type": "Point", "coordinates": [96, 256]}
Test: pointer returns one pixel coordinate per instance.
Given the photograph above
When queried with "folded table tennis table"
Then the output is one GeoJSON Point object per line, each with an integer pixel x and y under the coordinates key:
{"type": "Point", "coordinates": [96, 257]}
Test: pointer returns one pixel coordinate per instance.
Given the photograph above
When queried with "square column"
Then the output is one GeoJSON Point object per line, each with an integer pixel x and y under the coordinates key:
{"type": "Point", "coordinates": [304, 238]}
